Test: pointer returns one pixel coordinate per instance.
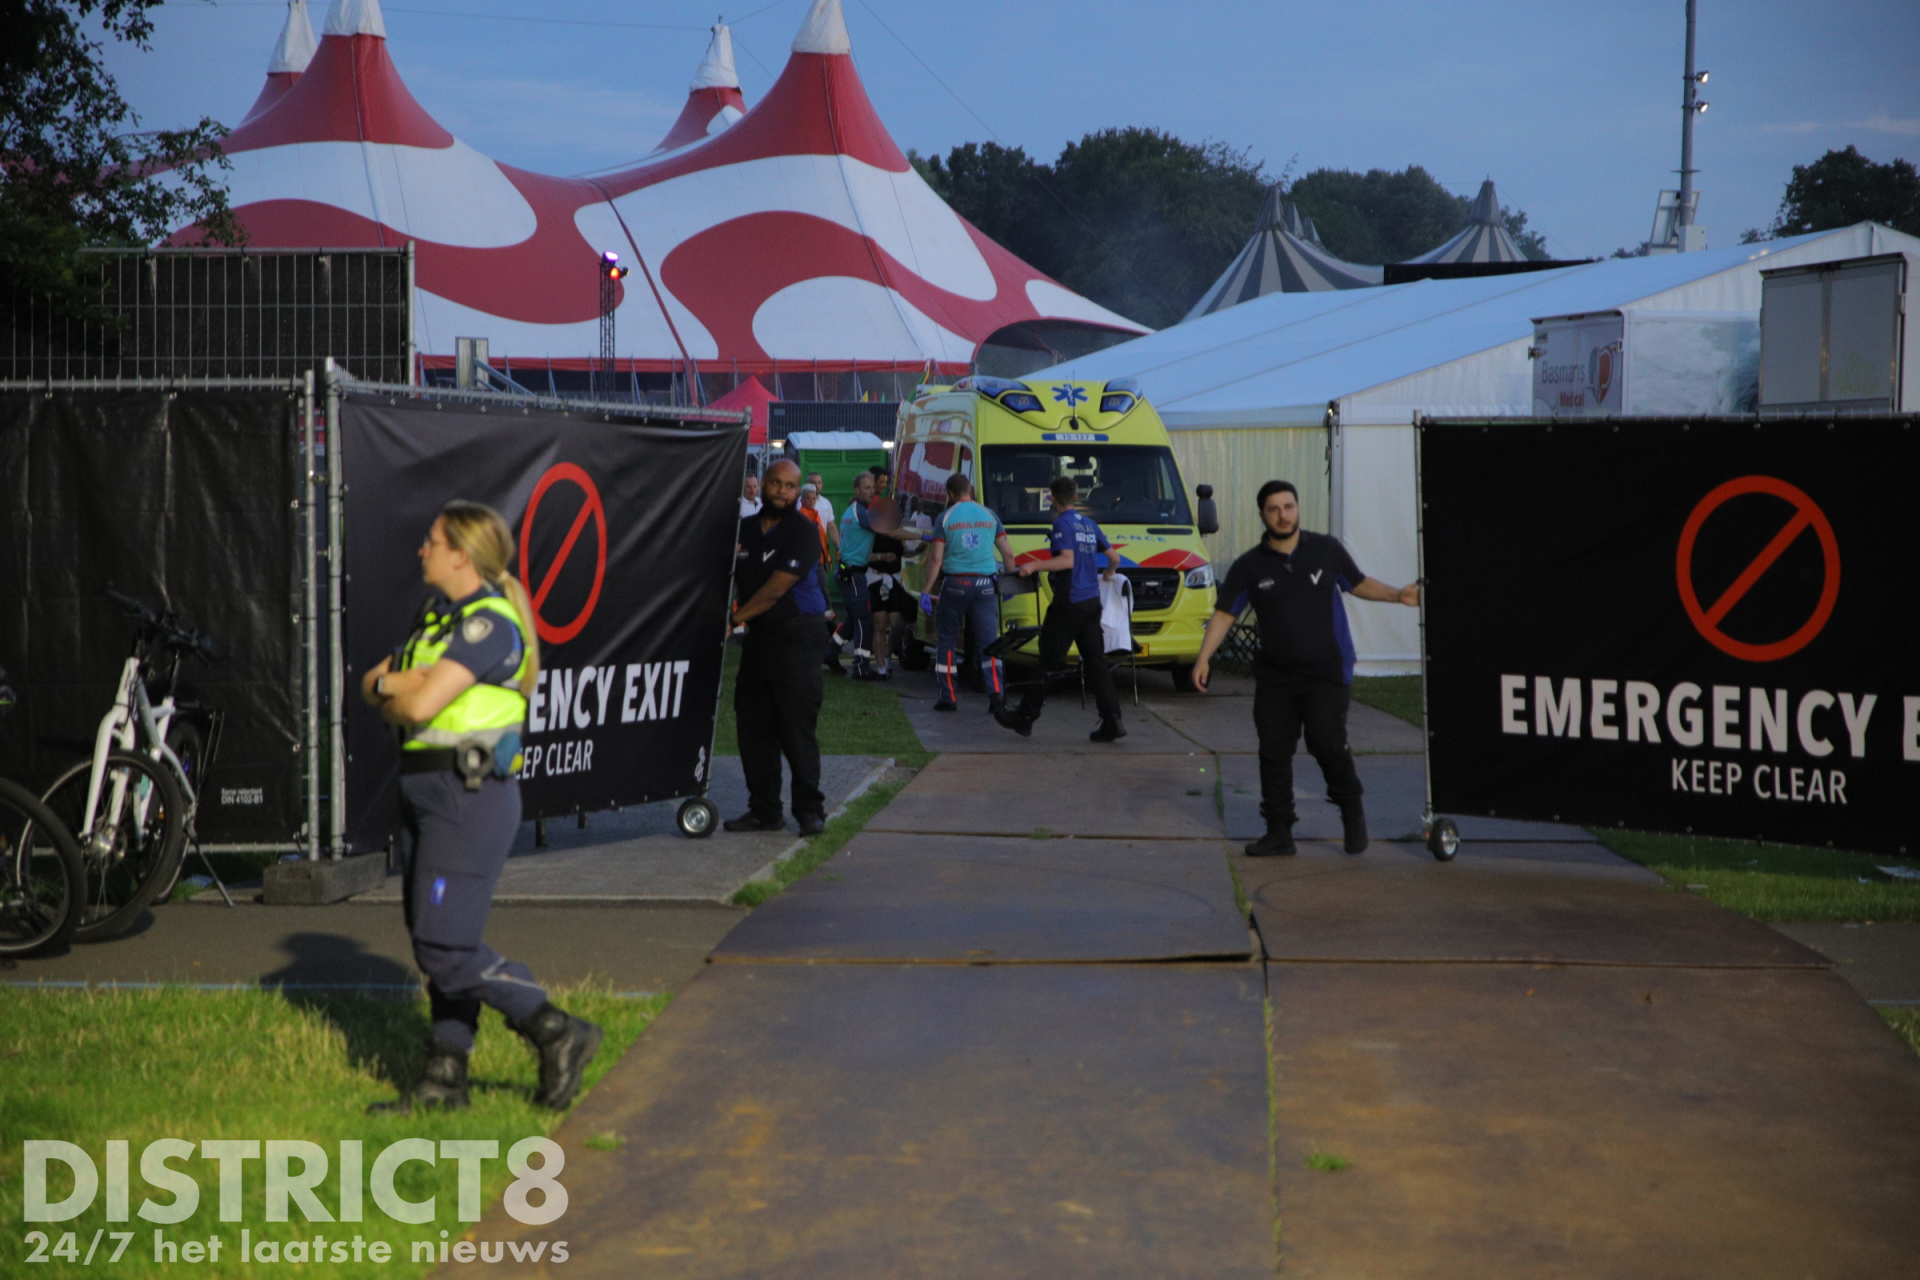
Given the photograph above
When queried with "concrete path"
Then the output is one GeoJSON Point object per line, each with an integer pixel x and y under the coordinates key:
{"type": "Point", "coordinates": [632, 948]}
{"type": "Point", "coordinates": [942, 1055]}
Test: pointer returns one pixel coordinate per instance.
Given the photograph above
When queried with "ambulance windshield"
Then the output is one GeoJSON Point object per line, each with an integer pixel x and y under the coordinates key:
{"type": "Point", "coordinates": [1119, 483]}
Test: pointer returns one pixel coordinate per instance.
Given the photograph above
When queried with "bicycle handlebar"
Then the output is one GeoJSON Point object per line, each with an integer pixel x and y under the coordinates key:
{"type": "Point", "coordinates": [167, 629]}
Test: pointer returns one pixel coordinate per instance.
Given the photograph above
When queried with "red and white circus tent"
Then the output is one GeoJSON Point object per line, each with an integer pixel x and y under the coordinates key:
{"type": "Point", "coordinates": [290, 58]}
{"type": "Point", "coordinates": [714, 101]}
{"type": "Point", "coordinates": [798, 238]}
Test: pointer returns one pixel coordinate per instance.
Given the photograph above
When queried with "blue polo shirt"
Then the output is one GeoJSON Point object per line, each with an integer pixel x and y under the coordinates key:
{"type": "Point", "coordinates": [856, 536]}
{"type": "Point", "coordinates": [969, 531]}
{"type": "Point", "coordinates": [1077, 533]}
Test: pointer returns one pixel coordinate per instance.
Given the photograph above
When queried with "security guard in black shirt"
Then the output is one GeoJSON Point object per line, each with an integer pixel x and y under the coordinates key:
{"type": "Point", "coordinates": [1303, 676]}
{"type": "Point", "coordinates": [776, 698]}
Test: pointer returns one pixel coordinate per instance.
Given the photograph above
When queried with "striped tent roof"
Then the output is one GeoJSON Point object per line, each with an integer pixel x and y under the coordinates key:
{"type": "Point", "coordinates": [1483, 239]}
{"type": "Point", "coordinates": [1285, 255]}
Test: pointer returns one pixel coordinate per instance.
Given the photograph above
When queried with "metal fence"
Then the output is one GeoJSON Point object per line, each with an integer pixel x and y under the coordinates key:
{"type": "Point", "coordinates": [180, 314]}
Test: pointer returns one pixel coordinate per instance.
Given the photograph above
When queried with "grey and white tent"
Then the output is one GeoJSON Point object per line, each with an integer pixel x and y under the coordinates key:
{"type": "Point", "coordinates": [1483, 239]}
{"type": "Point", "coordinates": [1285, 255]}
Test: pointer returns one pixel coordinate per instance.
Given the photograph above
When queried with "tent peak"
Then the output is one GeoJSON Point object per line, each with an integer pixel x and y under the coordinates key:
{"type": "Point", "coordinates": [716, 69]}
{"type": "Point", "coordinates": [296, 46]}
{"type": "Point", "coordinates": [356, 18]}
{"type": "Point", "coordinates": [824, 31]}
{"type": "Point", "coordinates": [1486, 206]}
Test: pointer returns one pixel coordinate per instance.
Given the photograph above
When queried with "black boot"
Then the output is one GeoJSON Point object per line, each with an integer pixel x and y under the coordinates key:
{"type": "Point", "coordinates": [1353, 825]}
{"type": "Point", "coordinates": [1109, 731]}
{"type": "Point", "coordinates": [1274, 844]}
{"type": "Point", "coordinates": [442, 1086]}
{"type": "Point", "coordinates": [1015, 720]}
{"type": "Point", "coordinates": [566, 1045]}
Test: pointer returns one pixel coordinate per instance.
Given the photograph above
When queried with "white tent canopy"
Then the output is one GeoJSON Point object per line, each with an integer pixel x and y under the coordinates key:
{"type": "Point", "coordinates": [1364, 363]}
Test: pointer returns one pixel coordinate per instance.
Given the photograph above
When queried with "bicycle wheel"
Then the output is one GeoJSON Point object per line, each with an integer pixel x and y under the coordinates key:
{"type": "Point", "coordinates": [42, 882]}
{"type": "Point", "coordinates": [130, 855]}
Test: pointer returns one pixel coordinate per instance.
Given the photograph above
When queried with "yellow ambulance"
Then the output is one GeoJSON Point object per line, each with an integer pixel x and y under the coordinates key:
{"type": "Point", "coordinates": [1013, 439]}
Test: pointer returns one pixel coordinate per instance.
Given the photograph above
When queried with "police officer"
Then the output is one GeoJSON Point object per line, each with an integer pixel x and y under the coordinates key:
{"type": "Point", "coordinates": [1073, 618]}
{"type": "Point", "coordinates": [856, 547]}
{"type": "Point", "coordinates": [776, 696]}
{"type": "Point", "coordinates": [456, 691]}
{"type": "Point", "coordinates": [964, 540]}
{"type": "Point", "coordinates": [1303, 676]}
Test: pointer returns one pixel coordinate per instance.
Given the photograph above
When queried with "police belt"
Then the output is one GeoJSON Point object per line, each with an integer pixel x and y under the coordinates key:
{"type": "Point", "coordinates": [472, 762]}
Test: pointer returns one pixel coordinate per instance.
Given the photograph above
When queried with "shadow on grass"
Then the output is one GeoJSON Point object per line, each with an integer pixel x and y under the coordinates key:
{"type": "Point", "coordinates": [332, 977]}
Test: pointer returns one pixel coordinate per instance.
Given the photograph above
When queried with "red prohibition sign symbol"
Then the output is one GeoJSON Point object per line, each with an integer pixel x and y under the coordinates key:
{"type": "Point", "coordinates": [550, 632]}
{"type": "Point", "coordinates": [1806, 514]}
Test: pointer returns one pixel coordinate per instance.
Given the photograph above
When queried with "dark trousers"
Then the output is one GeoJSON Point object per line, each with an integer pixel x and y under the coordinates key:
{"type": "Point", "coordinates": [776, 713]}
{"type": "Point", "coordinates": [853, 593]}
{"type": "Point", "coordinates": [1284, 705]}
{"type": "Point", "coordinates": [453, 843]}
{"type": "Point", "coordinates": [965, 598]}
{"type": "Point", "coordinates": [1066, 625]}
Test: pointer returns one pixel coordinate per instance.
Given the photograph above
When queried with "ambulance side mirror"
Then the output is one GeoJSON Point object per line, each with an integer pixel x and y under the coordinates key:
{"type": "Point", "coordinates": [1209, 515]}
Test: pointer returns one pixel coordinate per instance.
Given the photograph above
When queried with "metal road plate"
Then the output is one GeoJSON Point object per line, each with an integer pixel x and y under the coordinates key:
{"type": "Point", "coordinates": [978, 900]}
{"type": "Point", "coordinates": [1610, 1124]}
{"type": "Point", "coordinates": [878, 1120]}
{"type": "Point", "coordinates": [1570, 904]}
{"type": "Point", "coordinates": [1163, 797]}
{"type": "Point", "coordinates": [1396, 792]}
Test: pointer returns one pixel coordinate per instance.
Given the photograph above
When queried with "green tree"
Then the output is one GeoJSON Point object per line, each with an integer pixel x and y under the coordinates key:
{"type": "Point", "coordinates": [1842, 188]}
{"type": "Point", "coordinates": [75, 173]}
{"type": "Point", "coordinates": [1137, 220]}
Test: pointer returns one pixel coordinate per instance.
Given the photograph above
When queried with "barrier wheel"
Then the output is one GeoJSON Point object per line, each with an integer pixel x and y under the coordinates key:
{"type": "Point", "coordinates": [697, 819]}
{"type": "Point", "coordinates": [1443, 839]}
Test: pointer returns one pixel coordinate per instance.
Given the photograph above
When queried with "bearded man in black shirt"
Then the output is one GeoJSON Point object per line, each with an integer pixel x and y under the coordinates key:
{"type": "Point", "coordinates": [1303, 677]}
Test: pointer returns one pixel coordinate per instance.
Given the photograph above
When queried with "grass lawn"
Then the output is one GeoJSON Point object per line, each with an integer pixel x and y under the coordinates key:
{"type": "Point", "coordinates": [1905, 1022]}
{"type": "Point", "coordinates": [821, 847]}
{"type": "Point", "coordinates": [857, 718]}
{"type": "Point", "coordinates": [1395, 695]}
{"type": "Point", "coordinates": [1776, 882]}
{"type": "Point", "coordinates": [91, 1065]}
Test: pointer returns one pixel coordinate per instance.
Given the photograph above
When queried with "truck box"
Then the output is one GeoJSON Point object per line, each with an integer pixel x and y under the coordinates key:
{"type": "Point", "coordinates": [1834, 337]}
{"type": "Point", "coordinates": [1641, 363]}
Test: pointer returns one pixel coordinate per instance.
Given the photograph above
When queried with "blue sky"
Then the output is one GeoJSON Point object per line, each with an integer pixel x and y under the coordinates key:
{"type": "Point", "coordinates": [1572, 109]}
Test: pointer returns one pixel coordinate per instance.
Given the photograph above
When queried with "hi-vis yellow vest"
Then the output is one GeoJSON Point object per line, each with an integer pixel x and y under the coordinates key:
{"type": "Point", "coordinates": [482, 712]}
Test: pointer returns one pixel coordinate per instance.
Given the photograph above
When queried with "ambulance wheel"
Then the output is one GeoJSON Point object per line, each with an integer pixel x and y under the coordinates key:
{"type": "Point", "coordinates": [1443, 839]}
{"type": "Point", "coordinates": [697, 819]}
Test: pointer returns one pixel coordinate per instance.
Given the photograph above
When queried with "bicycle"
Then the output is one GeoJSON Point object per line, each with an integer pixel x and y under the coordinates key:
{"type": "Point", "coordinates": [42, 880]}
{"type": "Point", "coordinates": [132, 806]}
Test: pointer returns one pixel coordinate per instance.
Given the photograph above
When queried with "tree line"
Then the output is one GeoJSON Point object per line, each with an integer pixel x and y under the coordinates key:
{"type": "Point", "coordinates": [1142, 221]}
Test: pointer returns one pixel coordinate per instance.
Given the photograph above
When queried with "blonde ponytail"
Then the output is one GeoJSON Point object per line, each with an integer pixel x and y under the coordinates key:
{"type": "Point", "coordinates": [478, 530]}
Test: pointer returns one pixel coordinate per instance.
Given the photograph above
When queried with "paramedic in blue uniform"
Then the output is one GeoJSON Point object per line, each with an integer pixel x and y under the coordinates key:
{"type": "Point", "coordinates": [1073, 618]}
{"type": "Point", "coordinates": [1303, 675]}
{"type": "Point", "coordinates": [776, 697]}
{"type": "Point", "coordinates": [964, 540]}
{"type": "Point", "coordinates": [456, 691]}
{"type": "Point", "coordinates": [856, 548]}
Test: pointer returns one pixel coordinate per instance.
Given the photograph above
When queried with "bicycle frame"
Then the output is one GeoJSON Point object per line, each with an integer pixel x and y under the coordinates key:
{"type": "Point", "coordinates": [132, 717]}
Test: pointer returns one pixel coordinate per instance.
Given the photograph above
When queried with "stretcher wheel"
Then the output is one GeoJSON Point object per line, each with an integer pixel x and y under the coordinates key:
{"type": "Point", "coordinates": [697, 818]}
{"type": "Point", "coordinates": [1443, 839]}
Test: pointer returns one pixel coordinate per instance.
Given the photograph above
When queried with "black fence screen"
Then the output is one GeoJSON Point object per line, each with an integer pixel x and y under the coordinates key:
{"type": "Point", "coordinates": [1686, 626]}
{"type": "Point", "coordinates": [175, 314]}
{"type": "Point", "coordinates": [187, 500]}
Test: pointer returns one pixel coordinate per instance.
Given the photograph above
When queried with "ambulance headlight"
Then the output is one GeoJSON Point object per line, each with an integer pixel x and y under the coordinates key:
{"type": "Point", "coordinates": [1201, 577]}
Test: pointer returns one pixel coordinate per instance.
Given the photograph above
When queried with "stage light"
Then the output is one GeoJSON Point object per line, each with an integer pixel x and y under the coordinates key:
{"type": "Point", "coordinates": [1702, 77]}
{"type": "Point", "coordinates": [1700, 108]}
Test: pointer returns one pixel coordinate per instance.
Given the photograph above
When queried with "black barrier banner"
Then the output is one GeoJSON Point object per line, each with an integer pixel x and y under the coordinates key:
{"type": "Point", "coordinates": [185, 500]}
{"type": "Point", "coordinates": [1697, 627]}
{"type": "Point", "coordinates": [624, 539]}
